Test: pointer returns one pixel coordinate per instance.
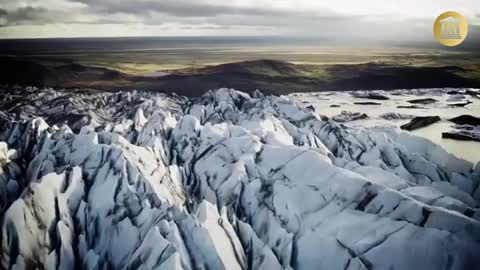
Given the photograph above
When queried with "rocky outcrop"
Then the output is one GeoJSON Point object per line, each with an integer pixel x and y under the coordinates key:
{"type": "Point", "coordinates": [368, 103]}
{"type": "Point", "coordinates": [347, 116]}
{"type": "Point", "coordinates": [420, 122]}
{"type": "Point", "coordinates": [396, 116]}
{"type": "Point", "coordinates": [466, 120]}
{"type": "Point", "coordinates": [461, 104]}
{"type": "Point", "coordinates": [224, 181]}
{"type": "Point", "coordinates": [463, 133]}
{"type": "Point", "coordinates": [370, 95]}
{"type": "Point", "coordinates": [423, 101]}
{"type": "Point", "coordinates": [410, 107]}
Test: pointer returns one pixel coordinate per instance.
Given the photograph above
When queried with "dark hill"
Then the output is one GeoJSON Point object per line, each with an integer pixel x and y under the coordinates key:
{"type": "Point", "coordinates": [270, 76]}
{"type": "Point", "coordinates": [264, 67]}
{"type": "Point", "coordinates": [23, 72]}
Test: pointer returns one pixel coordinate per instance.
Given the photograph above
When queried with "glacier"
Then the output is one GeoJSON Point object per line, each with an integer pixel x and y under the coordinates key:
{"type": "Point", "coordinates": [144, 180]}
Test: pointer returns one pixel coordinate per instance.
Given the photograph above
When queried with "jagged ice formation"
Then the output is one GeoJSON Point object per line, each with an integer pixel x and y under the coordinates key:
{"type": "Point", "coordinates": [138, 180]}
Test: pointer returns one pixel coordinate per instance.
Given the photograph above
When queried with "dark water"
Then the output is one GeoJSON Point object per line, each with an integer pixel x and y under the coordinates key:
{"type": "Point", "coordinates": [148, 43]}
{"type": "Point", "coordinates": [142, 43]}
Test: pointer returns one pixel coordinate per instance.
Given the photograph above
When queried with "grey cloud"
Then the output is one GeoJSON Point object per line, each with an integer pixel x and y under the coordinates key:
{"type": "Point", "coordinates": [156, 12]}
{"type": "Point", "coordinates": [24, 15]}
{"type": "Point", "coordinates": [177, 8]}
{"type": "Point", "coordinates": [197, 14]}
{"type": "Point", "coordinates": [193, 12]}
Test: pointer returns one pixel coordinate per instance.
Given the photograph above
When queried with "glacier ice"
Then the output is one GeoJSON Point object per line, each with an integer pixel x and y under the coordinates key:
{"type": "Point", "coordinates": [139, 180]}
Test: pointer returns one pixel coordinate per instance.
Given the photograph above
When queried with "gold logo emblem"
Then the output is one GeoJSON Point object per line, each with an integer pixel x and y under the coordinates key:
{"type": "Point", "coordinates": [450, 28]}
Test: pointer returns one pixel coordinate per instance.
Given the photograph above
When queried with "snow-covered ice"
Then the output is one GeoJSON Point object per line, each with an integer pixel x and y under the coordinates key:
{"type": "Point", "coordinates": [137, 180]}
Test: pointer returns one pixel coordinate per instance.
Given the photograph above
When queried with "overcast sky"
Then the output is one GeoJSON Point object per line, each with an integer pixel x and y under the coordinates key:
{"type": "Point", "coordinates": [338, 19]}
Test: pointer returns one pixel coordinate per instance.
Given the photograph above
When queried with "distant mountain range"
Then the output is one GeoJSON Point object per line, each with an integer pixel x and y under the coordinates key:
{"type": "Point", "coordinates": [271, 76]}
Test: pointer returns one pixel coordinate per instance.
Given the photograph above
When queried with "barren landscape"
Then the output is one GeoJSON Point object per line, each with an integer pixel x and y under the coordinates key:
{"type": "Point", "coordinates": [192, 67]}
